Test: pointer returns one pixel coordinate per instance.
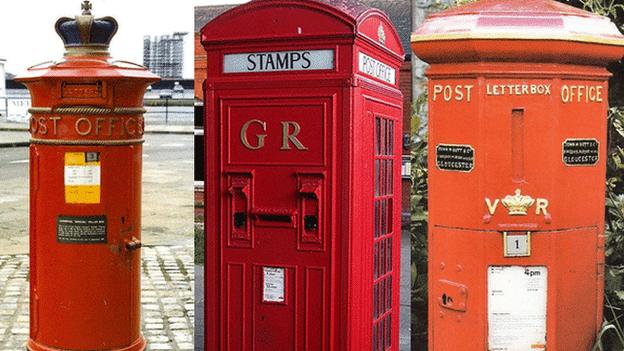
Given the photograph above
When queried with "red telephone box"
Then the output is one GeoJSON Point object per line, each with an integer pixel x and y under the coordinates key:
{"type": "Point", "coordinates": [303, 156]}
{"type": "Point", "coordinates": [85, 193]}
{"type": "Point", "coordinates": [517, 154]}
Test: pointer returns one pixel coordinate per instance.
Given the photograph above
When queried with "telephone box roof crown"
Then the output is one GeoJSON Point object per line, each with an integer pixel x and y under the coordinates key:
{"type": "Point", "coordinates": [92, 35]}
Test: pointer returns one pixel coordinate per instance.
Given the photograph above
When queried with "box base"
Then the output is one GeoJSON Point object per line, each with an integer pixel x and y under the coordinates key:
{"type": "Point", "coordinates": [139, 345]}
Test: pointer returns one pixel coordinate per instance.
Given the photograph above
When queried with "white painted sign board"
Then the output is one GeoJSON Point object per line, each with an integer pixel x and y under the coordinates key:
{"type": "Point", "coordinates": [375, 68]}
{"type": "Point", "coordinates": [273, 290]}
{"type": "Point", "coordinates": [278, 61]}
{"type": "Point", "coordinates": [517, 308]}
{"type": "Point", "coordinates": [17, 109]}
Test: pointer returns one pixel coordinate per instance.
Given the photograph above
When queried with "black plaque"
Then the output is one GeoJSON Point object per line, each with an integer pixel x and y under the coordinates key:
{"type": "Point", "coordinates": [82, 230]}
{"type": "Point", "coordinates": [459, 158]}
{"type": "Point", "coordinates": [580, 152]}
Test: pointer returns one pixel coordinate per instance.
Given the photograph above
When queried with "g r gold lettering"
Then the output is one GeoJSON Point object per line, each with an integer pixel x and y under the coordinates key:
{"type": "Point", "coordinates": [260, 137]}
{"type": "Point", "coordinates": [290, 131]}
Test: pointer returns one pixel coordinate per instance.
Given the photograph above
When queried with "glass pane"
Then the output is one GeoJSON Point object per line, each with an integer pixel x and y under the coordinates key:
{"type": "Point", "coordinates": [389, 332]}
{"type": "Point", "coordinates": [383, 136]}
{"type": "Point", "coordinates": [389, 214]}
{"type": "Point", "coordinates": [376, 255]}
{"type": "Point", "coordinates": [377, 219]}
{"type": "Point", "coordinates": [389, 172]}
{"type": "Point", "coordinates": [390, 139]}
{"type": "Point", "coordinates": [382, 271]}
{"type": "Point", "coordinates": [383, 177]}
{"type": "Point", "coordinates": [383, 217]}
{"type": "Point", "coordinates": [382, 336]}
{"type": "Point", "coordinates": [377, 136]}
{"type": "Point", "coordinates": [389, 256]}
{"type": "Point", "coordinates": [389, 294]}
{"type": "Point", "coordinates": [375, 300]}
{"type": "Point", "coordinates": [375, 347]}
{"type": "Point", "coordinates": [382, 296]}
{"type": "Point", "coordinates": [377, 176]}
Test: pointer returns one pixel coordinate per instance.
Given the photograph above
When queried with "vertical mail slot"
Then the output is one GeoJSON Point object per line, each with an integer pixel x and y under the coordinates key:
{"type": "Point", "coordinates": [517, 133]}
{"type": "Point", "coordinates": [302, 171]}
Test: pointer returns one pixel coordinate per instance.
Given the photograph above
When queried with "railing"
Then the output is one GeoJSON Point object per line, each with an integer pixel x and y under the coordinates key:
{"type": "Point", "coordinates": [177, 111]}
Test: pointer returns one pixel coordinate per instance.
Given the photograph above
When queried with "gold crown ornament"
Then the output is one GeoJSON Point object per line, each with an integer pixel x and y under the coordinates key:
{"type": "Point", "coordinates": [518, 204]}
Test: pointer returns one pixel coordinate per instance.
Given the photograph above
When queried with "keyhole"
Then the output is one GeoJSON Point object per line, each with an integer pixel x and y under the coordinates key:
{"type": "Point", "coordinates": [444, 299]}
{"type": "Point", "coordinates": [517, 244]}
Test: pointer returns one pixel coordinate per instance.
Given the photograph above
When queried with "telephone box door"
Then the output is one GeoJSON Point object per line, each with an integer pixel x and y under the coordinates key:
{"type": "Point", "coordinates": [276, 282]}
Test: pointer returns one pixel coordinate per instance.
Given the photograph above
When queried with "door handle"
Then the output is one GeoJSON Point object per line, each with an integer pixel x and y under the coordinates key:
{"type": "Point", "coordinates": [133, 244]}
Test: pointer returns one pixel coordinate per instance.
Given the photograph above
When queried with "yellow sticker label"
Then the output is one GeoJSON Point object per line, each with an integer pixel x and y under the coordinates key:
{"type": "Point", "coordinates": [82, 177]}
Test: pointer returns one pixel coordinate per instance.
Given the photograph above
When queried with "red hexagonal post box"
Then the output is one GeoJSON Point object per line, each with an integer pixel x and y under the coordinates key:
{"type": "Point", "coordinates": [85, 193]}
{"type": "Point", "coordinates": [517, 153]}
{"type": "Point", "coordinates": [303, 156]}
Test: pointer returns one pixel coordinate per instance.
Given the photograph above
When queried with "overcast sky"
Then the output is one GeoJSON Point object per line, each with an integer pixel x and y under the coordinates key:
{"type": "Point", "coordinates": [27, 35]}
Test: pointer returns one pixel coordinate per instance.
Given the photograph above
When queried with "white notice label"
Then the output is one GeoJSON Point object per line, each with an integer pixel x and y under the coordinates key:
{"type": "Point", "coordinates": [273, 284]}
{"type": "Point", "coordinates": [517, 308]}
{"type": "Point", "coordinates": [377, 69]}
{"type": "Point", "coordinates": [82, 175]}
{"type": "Point", "coordinates": [277, 61]}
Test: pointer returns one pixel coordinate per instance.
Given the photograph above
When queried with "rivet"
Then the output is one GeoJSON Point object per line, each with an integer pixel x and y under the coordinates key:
{"type": "Point", "coordinates": [442, 265]}
{"type": "Point", "coordinates": [459, 268]}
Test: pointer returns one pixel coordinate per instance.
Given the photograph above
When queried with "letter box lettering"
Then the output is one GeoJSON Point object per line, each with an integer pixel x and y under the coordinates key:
{"type": "Point", "coordinates": [85, 190]}
{"type": "Point", "coordinates": [517, 130]}
{"type": "Point", "coordinates": [303, 176]}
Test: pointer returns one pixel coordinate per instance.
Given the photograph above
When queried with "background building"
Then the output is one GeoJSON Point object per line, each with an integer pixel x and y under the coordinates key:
{"type": "Point", "coordinates": [164, 54]}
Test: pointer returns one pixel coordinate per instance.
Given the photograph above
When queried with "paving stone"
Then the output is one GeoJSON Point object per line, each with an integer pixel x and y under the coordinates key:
{"type": "Point", "coordinates": [167, 299]}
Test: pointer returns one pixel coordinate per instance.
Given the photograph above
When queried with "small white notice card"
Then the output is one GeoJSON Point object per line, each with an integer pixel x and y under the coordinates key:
{"type": "Point", "coordinates": [517, 308]}
{"type": "Point", "coordinates": [273, 290]}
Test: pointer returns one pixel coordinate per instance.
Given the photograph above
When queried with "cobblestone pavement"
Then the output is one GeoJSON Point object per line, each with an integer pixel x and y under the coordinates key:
{"type": "Point", "coordinates": [167, 298]}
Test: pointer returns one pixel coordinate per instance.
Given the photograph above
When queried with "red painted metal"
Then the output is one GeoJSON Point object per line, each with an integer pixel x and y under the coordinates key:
{"type": "Point", "coordinates": [302, 212]}
{"type": "Point", "coordinates": [504, 79]}
{"type": "Point", "coordinates": [85, 282]}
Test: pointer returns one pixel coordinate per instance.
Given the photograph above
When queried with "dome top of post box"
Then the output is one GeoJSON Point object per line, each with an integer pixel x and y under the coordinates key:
{"type": "Point", "coordinates": [86, 40]}
{"type": "Point", "coordinates": [284, 20]}
{"type": "Point", "coordinates": [518, 30]}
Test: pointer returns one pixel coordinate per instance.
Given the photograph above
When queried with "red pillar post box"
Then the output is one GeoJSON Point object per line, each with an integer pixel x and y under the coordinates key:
{"type": "Point", "coordinates": [85, 193]}
{"type": "Point", "coordinates": [517, 153]}
{"type": "Point", "coordinates": [303, 156]}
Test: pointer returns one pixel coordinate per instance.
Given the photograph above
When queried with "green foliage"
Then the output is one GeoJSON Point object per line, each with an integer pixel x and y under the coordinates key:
{"type": "Point", "coordinates": [419, 213]}
{"type": "Point", "coordinates": [608, 8]}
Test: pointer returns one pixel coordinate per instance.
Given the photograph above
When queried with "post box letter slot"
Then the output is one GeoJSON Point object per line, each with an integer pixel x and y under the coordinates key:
{"type": "Point", "coordinates": [310, 205]}
{"type": "Point", "coordinates": [240, 219]}
{"type": "Point", "coordinates": [239, 186]}
{"type": "Point", "coordinates": [274, 217]}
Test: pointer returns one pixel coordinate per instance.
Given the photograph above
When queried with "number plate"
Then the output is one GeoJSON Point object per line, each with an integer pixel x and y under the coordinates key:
{"type": "Point", "coordinates": [517, 244]}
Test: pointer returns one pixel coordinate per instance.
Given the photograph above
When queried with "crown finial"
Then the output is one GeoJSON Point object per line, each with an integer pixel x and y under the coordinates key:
{"type": "Point", "coordinates": [85, 34]}
{"type": "Point", "coordinates": [86, 8]}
